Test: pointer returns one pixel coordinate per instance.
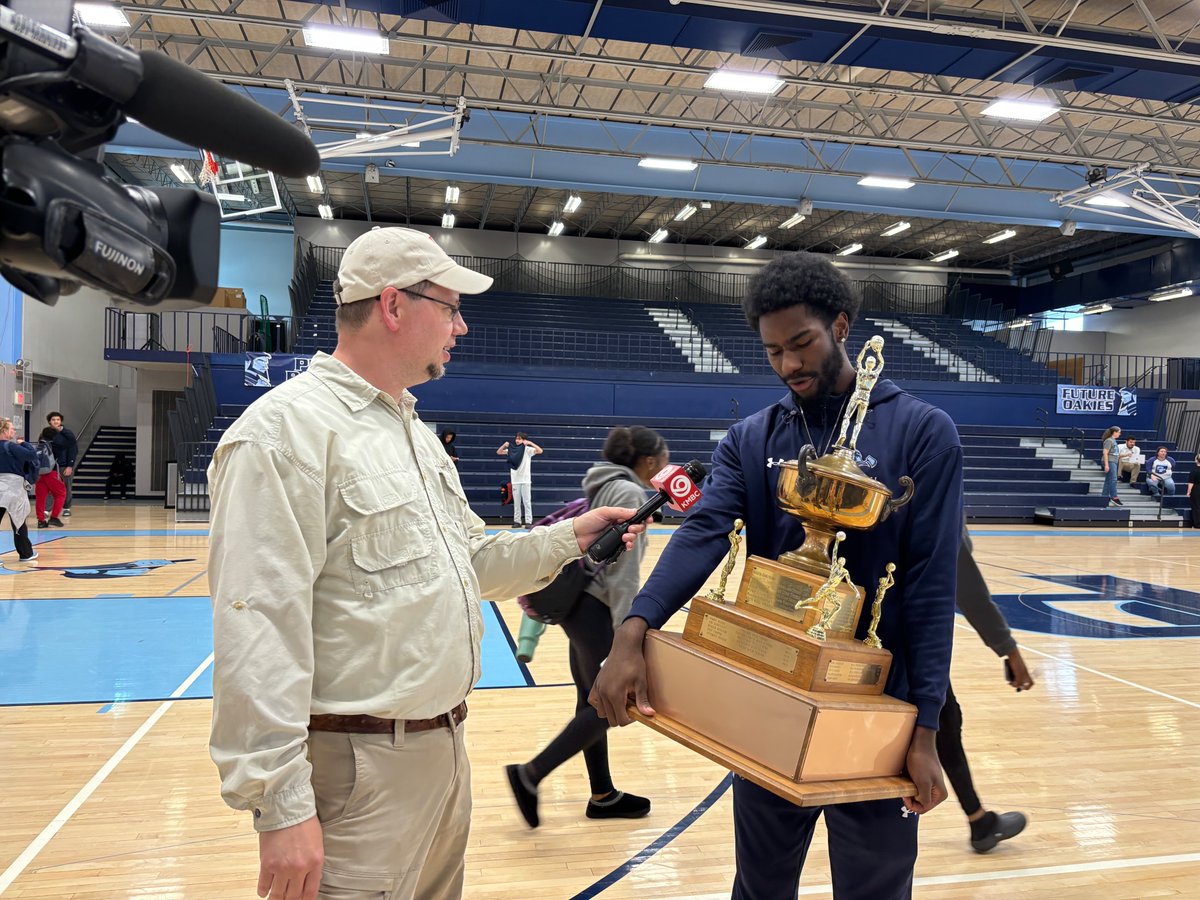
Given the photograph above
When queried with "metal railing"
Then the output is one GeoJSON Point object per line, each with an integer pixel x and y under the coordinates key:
{"type": "Point", "coordinates": [195, 331]}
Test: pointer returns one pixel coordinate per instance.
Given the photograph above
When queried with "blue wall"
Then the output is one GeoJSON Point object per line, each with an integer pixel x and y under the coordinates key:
{"type": "Point", "coordinates": [11, 306]}
{"type": "Point", "coordinates": [258, 259]}
{"type": "Point", "coordinates": [532, 392]}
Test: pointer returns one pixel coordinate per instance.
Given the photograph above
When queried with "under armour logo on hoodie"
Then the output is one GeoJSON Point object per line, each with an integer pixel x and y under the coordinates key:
{"type": "Point", "coordinates": [772, 461]}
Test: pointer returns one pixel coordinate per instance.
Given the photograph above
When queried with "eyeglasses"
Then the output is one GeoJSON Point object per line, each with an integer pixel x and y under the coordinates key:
{"type": "Point", "coordinates": [455, 308]}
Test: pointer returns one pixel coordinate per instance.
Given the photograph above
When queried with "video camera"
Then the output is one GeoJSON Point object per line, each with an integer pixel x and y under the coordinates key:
{"type": "Point", "coordinates": [64, 92]}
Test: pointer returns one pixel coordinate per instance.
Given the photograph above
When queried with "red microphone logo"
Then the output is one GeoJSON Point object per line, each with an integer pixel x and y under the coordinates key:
{"type": "Point", "coordinates": [676, 484]}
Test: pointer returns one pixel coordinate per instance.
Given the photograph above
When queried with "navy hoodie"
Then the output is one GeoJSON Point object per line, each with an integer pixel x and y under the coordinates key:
{"type": "Point", "coordinates": [901, 436]}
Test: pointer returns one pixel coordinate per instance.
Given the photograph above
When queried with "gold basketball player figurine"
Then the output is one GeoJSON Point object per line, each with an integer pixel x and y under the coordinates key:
{"type": "Point", "coordinates": [872, 639]}
{"type": "Point", "coordinates": [717, 594]}
{"type": "Point", "coordinates": [827, 598]}
{"type": "Point", "coordinates": [869, 368]}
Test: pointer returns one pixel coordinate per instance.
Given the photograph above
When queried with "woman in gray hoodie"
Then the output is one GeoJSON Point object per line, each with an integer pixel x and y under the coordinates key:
{"type": "Point", "coordinates": [632, 456]}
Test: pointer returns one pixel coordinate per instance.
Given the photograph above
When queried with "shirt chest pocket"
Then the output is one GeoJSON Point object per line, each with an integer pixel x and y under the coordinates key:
{"type": "Point", "coordinates": [391, 539]}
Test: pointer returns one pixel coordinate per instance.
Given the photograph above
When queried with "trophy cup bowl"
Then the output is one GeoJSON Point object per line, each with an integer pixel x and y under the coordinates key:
{"type": "Point", "coordinates": [827, 494]}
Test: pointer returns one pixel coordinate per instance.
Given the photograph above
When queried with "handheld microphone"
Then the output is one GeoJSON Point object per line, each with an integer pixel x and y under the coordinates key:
{"type": "Point", "coordinates": [676, 485]}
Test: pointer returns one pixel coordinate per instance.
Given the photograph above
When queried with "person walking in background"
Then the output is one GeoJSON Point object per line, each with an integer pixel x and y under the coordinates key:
{"type": "Point", "coordinates": [66, 448]}
{"type": "Point", "coordinates": [975, 602]}
{"type": "Point", "coordinates": [448, 435]}
{"type": "Point", "coordinates": [49, 483]}
{"type": "Point", "coordinates": [18, 466]}
{"type": "Point", "coordinates": [1108, 460]}
{"type": "Point", "coordinates": [632, 456]}
{"type": "Point", "coordinates": [120, 476]}
{"type": "Point", "coordinates": [1193, 491]}
{"type": "Point", "coordinates": [520, 466]}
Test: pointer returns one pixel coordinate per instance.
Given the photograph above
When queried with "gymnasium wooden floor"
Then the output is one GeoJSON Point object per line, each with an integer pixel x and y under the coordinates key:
{"type": "Point", "coordinates": [107, 791]}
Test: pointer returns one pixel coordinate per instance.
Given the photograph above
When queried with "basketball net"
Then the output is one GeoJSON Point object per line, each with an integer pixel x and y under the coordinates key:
{"type": "Point", "coordinates": [208, 168]}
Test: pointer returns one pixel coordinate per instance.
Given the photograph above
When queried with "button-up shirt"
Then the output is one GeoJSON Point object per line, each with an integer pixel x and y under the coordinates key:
{"type": "Point", "coordinates": [346, 570]}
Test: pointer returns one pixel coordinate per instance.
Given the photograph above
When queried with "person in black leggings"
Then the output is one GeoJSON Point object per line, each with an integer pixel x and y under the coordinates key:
{"type": "Point", "coordinates": [632, 456]}
{"type": "Point", "coordinates": [975, 602]}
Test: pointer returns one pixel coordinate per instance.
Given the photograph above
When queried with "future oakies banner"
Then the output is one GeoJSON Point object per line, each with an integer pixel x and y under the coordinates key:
{"type": "Point", "coordinates": [266, 370]}
{"type": "Point", "coordinates": [1091, 401]}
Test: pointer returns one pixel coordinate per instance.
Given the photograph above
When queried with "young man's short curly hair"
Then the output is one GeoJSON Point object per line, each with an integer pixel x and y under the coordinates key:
{"type": "Point", "coordinates": [800, 278]}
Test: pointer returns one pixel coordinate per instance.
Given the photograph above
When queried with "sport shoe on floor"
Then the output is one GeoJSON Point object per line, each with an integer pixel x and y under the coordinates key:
{"type": "Point", "coordinates": [56, 522]}
{"type": "Point", "coordinates": [619, 805]}
{"type": "Point", "coordinates": [66, 513]}
{"type": "Point", "coordinates": [29, 558]}
{"type": "Point", "coordinates": [996, 828]}
{"type": "Point", "coordinates": [527, 800]}
{"type": "Point", "coordinates": [42, 524]}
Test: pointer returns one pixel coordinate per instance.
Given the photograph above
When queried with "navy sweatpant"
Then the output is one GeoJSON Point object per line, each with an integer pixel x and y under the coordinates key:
{"type": "Point", "coordinates": [872, 846]}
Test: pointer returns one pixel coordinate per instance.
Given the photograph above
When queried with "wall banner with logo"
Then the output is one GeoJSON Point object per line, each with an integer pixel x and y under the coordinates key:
{"type": "Point", "coordinates": [1091, 401]}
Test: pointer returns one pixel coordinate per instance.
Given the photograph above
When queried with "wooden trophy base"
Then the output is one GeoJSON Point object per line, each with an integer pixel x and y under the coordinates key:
{"type": "Point", "coordinates": [812, 749]}
{"type": "Point", "coordinates": [785, 651]}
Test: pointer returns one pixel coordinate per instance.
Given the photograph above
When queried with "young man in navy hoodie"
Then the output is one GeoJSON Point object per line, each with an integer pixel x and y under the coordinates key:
{"type": "Point", "coordinates": [802, 308]}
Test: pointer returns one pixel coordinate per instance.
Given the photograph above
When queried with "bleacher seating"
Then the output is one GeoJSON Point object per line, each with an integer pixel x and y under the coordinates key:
{"type": "Point", "coordinates": [1008, 365]}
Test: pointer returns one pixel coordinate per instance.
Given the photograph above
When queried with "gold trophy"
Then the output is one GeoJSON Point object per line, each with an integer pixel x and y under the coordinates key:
{"type": "Point", "coordinates": [774, 685]}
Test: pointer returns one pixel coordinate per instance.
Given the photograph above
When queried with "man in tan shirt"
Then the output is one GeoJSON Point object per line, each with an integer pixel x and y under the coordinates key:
{"type": "Point", "coordinates": [347, 570]}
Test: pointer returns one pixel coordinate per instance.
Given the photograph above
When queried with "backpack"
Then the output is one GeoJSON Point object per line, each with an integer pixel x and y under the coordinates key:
{"type": "Point", "coordinates": [46, 461]}
{"type": "Point", "coordinates": [557, 600]}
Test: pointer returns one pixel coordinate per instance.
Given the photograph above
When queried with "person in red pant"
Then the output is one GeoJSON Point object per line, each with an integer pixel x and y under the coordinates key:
{"type": "Point", "coordinates": [49, 481]}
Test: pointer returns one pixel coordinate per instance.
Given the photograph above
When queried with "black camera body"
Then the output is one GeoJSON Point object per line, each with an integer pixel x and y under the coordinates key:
{"type": "Point", "coordinates": [64, 92]}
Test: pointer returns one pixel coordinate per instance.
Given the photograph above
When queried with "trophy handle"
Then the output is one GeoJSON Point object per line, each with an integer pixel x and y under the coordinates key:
{"type": "Point", "coordinates": [896, 502]}
{"type": "Point", "coordinates": [806, 482]}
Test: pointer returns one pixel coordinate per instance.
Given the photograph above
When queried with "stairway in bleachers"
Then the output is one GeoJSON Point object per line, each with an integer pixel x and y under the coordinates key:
{"type": "Point", "coordinates": [952, 362]}
{"type": "Point", "coordinates": [92, 470]}
{"type": "Point", "coordinates": [981, 350]}
{"type": "Point", "coordinates": [318, 329]}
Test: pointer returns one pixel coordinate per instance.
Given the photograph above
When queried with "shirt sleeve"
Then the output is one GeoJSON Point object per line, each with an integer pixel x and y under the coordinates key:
{"type": "Point", "coordinates": [266, 548]}
{"type": "Point", "coordinates": [508, 565]}
{"type": "Point", "coordinates": [933, 535]}
{"type": "Point", "coordinates": [975, 602]}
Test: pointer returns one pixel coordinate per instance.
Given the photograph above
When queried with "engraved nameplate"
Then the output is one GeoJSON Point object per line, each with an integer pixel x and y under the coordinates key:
{"type": "Point", "coordinates": [842, 671]}
{"type": "Point", "coordinates": [771, 590]}
{"type": "Point", "coordinates": [758, 647]}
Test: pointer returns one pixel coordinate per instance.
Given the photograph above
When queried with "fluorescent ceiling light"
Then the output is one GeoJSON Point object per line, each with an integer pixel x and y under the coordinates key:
{"type": "Point", "coordinates": [452, 193]}
{"type": "Point", "coordinates": [880, 181]}
{"type": "Point", "coordinates": [447, 220]}
{"type": "Point", "coordinates": [325, 210]}
{"type": "Point", "coordinates": [848, 249]}
{"type": "Point", "coordinates": [1106, 199]}
{"type": "Point", "coordinates": [181, 172]}
{"type": "Point", "coordinates": [315, 184]}
{"type": "Point", "coordinates": [1021, 110]}
{"type": "Point", "coordinates": [944, 255]}
{"type": "Point", "coordinates": [1020, 323]}
{"type": "Point", "coordinates": [756, 243]}
{"type": "Point", "coordinates": [659, 236]}
{"type": "Point", "coordinates": [893, 230]}
{"type": "Point", "coordinates": [1098, 308]}
{"type": "Point", "coordinates": [704, 204]}
{"type": "Point", "coordinates": [672, 165]}
{"type": "Point", "coordinates": [793, 221]}
{"type": "Point", "coordinates": [686, 213]}
{"type": "Point", "coordinates": [352, 40]}
{"type": "Point", "coordinates": [1175, 294]}
{"type": "Point", "coordinates": [573, 203]}
{"type": "Point", "coordinates": [743, 82]}
{"type": "Point", "coordinates": [1000, 236]}
{"type": "Point", "coordinates": [556, 229]}
{"type": "Point", "coordinates": [101, 15]}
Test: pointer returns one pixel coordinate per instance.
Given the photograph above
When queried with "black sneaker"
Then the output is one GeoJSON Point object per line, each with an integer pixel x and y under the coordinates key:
{"type": "Point", "coordinates": [527, 800]}
{"type": "Point", "coordinates": [619, 805]}
{"type": "Point", "coordinates": [42, 524]}
{"type": "Point", "coordinates": [58, 523]}
{"type": "Point", "coordinates": [1117, 501]}
{"type": "Point", "coordinates": [996, 828]}
{"type": "Point", "coordinates": [66, 513]}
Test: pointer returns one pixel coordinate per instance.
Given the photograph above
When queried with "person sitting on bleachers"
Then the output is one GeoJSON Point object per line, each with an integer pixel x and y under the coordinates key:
{"type": "Point", "coordinates": [120, 475]}
{"type": "Point", "coordinates": [1162, 469]}
{"type": "Point", "coordinates": [1130, 459]}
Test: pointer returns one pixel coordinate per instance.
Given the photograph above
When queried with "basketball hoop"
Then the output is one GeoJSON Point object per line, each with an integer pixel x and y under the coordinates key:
{"type": "Point", "coordinates": [208, 168]}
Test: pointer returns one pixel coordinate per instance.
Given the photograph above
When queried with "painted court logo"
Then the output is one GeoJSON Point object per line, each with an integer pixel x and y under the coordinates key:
{"type": "Point", "coordinates": [102, 570]}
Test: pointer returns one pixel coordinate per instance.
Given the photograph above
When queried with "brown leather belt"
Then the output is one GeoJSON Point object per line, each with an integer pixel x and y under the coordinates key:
{"type": "Point", "coordinates": [374, 725]}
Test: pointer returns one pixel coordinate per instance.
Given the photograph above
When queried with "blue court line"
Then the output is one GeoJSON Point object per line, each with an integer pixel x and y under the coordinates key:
{"type": "Point", "coordinates": [512, 644]}
{"type": "Point", "coordinates": [660, 843]}
{"type": "Point", "coordinates": [186, 583]}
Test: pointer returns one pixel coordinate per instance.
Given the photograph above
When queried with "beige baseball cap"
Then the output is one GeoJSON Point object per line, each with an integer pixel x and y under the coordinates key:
{"type": "Point", "coordinates": [400, 258]}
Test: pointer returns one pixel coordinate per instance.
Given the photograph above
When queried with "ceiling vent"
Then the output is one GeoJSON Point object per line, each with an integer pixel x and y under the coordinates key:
{"type": "Point", "coordinates": [777, 44]}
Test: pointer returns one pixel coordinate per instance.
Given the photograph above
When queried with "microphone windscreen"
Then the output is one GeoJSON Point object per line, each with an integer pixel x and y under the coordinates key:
{"type": "Point", "coordinates": [192, 107]}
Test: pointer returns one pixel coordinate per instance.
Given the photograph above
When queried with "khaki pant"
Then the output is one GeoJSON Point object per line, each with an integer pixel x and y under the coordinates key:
{"type": "Point", "coordinates": [1135, 469]}
{"type": "Point", "coordinates": [395, 812]}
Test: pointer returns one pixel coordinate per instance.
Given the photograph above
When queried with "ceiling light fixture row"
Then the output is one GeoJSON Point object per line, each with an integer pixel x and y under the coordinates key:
{"type": "Point", "coordinates": [1172, 294]}
{"type": "Point", "coordinates": [573, 203]}
{"type": "Point", "coordinates": [659, 236]}
{"type": "Point", "coordinates": [452, 193]}
{"type": "Point", "coordinates": [556, 228]}
{"type": "Point", "coordinates": [448, 220]}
